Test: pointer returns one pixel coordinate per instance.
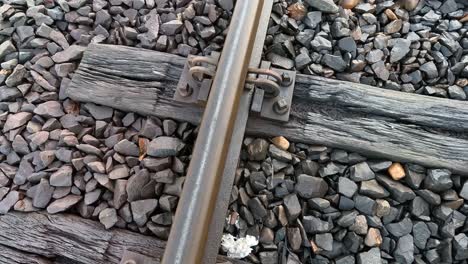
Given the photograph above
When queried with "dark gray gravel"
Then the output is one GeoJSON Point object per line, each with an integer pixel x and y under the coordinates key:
{"type": "Point", "coordinates": [305, 204]}
{"type": "Point", "coordinates": [355, 215]}
{"type": "Point", "coordinates": [418, 48]}
{"type": "Point", "coordinates": [59, 155]}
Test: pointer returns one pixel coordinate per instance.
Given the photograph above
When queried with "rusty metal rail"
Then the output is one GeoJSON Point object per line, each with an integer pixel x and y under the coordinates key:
{"type": "Point", "coordinates": [227, 181]}
{"type": "Point", "coordinates": [195, 210]}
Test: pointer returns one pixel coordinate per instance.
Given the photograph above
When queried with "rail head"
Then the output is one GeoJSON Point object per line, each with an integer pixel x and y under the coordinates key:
{"type": "Point", "coordinates": [197, 204]}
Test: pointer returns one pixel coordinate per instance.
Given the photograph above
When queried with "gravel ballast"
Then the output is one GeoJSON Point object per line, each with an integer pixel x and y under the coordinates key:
{"type": "Point", "coordinates": [304, 204]}
{"type": "Point", "coordinates": [330, 206]}
{"type": "Point", "coordinates": [411, 46]}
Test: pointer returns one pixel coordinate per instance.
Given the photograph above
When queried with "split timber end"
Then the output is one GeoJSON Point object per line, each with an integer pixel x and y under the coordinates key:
{"type": "Point", "coordinates": [375, 122]}
{"type": "Point", "coordinates": [45, 239]}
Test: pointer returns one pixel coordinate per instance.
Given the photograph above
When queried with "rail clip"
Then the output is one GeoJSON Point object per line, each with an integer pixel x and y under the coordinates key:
{"type": "Point", "coordinates": [273, 87]}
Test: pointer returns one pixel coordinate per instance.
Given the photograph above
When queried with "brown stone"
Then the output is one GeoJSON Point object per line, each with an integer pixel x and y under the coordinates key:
{"type": "Point", "coordinates": [297, 11]}
{"type": "Point", "coordinates": [281, 142]}
{"type": "Point", "coordinates": [373, 238]}
{"type": "Point", "coordinates": [463, 82]}
{"type": "Point", "coordinates": [393, 27]}
{"type": "Point", "coordinates": [283, 219]}
{"type": "Point", "coordinates": [381, 208]}
{"type": "Point", "coordinates": [349, 4]}
{"type": "Point", "coordinates": [233, 218]}
{"type": "Point", "coordinates": [25, 205]}
{"type": "Point", "coordinates": [464, 18]}
{"type": "Point", "coordinates": [315, 248]}
{"type": "Point", "coordinates": [410, 4]}
{"type": "Point", "coordinates": [396, 171]}
{"type": "Point", "coordinates": [390, 14]}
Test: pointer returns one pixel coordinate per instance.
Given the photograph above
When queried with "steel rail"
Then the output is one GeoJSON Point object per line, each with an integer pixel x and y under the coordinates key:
{"type": "Point", "coordinates": [219, 217]}
{"type": "Point", "coordinates": [197, 204]}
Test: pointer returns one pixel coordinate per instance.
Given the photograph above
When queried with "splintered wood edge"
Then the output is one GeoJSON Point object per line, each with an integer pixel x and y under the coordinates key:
{"type": "Point", "coordinates": [42, 238]}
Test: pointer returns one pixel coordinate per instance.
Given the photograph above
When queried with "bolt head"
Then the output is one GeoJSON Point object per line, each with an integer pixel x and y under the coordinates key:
{"type": "Point", "coordinates": [185, 91]}
{"type": "Point", "coordinates": [198, 77]}
{"type": "Point", "coordinates": [286, 79]}
{"type": "Point", "coordinates": [281, 106]}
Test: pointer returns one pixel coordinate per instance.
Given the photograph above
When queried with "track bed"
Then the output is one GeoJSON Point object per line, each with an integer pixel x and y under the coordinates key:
{"type": "Point", "coordinates": [371, 168]}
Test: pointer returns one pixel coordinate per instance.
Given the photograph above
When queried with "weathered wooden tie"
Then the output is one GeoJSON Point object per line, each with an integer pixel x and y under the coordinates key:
{"type": "Point", "coordinates": [375, 122]}
{"type": "Point", "coordinates": [63, 239]}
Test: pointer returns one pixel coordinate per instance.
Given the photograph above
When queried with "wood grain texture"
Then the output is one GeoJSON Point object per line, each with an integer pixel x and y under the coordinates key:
{"type": "Point", "coordinates": [375, 122]}
{"type": "Point", "coordinates": [402, 107]}
{"type": "Point", "coordinates": [133, 80]}
{"type": "Point", "coordinates": [71, 239]}
{"type": "Point", "coordinates": [13, 256]}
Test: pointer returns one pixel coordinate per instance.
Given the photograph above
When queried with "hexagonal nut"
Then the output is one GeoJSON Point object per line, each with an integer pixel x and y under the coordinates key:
{"type": "Point", "coordinates": [286, 79]}
{"type": "Point", "coordinates": [185, 91]}
{"type": "Point", "coordinates": [281, 106]}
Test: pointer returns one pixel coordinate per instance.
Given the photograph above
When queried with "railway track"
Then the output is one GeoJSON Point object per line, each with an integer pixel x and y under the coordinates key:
{"type": "Point", "coordinates": [234, 94]}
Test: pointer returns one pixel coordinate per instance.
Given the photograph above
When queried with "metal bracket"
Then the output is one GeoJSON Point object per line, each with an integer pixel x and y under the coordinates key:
{"type": "Point", "coordinates": [273, 87]}
{"type": "Point", "coordinates": [277, 107]}
{"type": "Point", "coordinates": [196, 79]}
{"type": "Point", "coordinates": [130, 257]}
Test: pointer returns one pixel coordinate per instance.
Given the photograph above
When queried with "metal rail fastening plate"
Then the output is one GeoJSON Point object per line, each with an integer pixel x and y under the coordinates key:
{"type": "Point", "coordinates": [272, 95]}
{"type": "Point", "coordinates": [195, 89]}
{"type": "Point", "coordinates": [277, 107]}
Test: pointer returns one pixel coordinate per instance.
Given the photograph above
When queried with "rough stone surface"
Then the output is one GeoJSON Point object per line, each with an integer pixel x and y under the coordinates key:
{"type": "Point", "coordinates": [327, 6]}
{"type": "Point", "coordinates": [63, 204]}
{"type": "Point", "coordinates": [141, 210]}
{"type": "Point", "coordinates": [292, 206]}
{"type": "Point", "coordinates": [72, 53]}
{"type": "Point", "coordinates": [347, 187]}
{"type": "Point", "coordinates": [438, 180]}
{"type": "Point", "coordinates": [16, 120]}
{"type": "Point", "coordinates": [49, 109]}
{"type": "Point", "coordinates": [313, 225]}
{"type": "Point", "coordinates": [99, 112]}
{"type": "Point", "coordinates": [62, 177]}
{"type": "Point", "coordinates": [43, 194]}
{"type": "Point", "coordinates": [361, 172]}
{"type": "Point", "coordinates": [404, 252]}
{"type": "Point", "coordinates": [310, 187]}
{"type": "Point", "coordinates": [97, 162]}
{"type": "Point", "coordinates": [127, 148]}
{"type": "Point", "coordinates": [400, 49]}
{"type": "Point", "coordinates": [399, 192]}
{"type": "Point", "coordinates": [258, 149]}
{"type": "Point", "coordinates": [401, 228]}
{"type": "Point", "coordinates": [165, 147]}
{"type": "Point", "coordinates": [370, 257]}
{"type": "Point", "coordinates": [108, 217]}
{"type": "Point", "coordinates": [9, 201]}
{"type": "Point", "coordinates": [464, 191]}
